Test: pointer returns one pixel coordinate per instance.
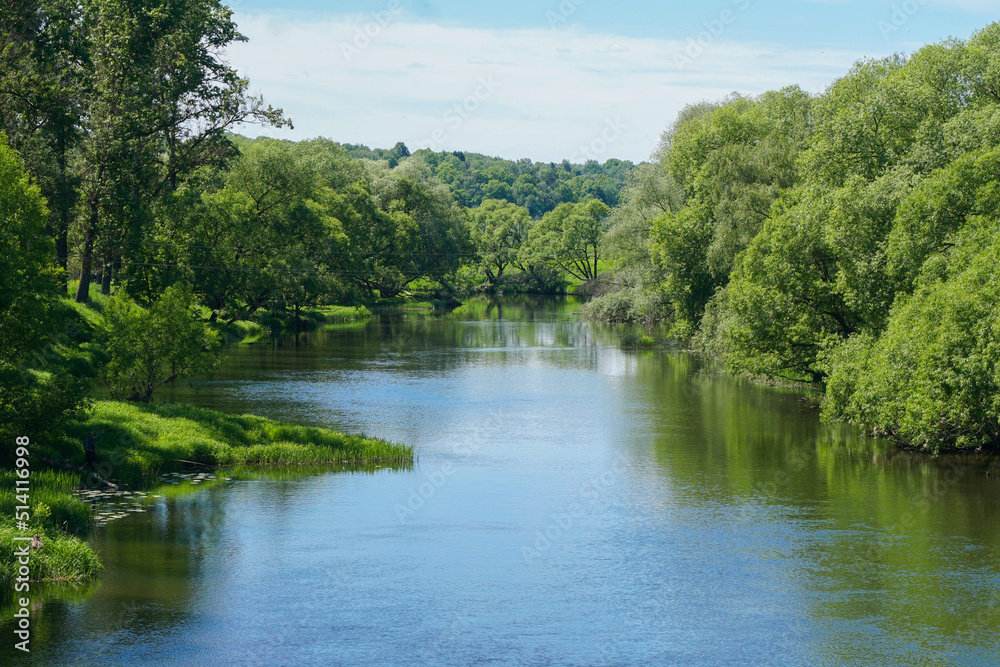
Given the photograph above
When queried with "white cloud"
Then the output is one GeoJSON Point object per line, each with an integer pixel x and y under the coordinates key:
{"type": "Point", "coordinates": [555, 91]}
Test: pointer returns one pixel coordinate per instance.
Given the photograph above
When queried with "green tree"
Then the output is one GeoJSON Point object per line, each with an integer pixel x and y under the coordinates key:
{"type": "Point", "coordinates": [27, 274]}
{"type": "Point", "coordinates": [33, 401]}
{"type": "Point", "coordinates": [151, 347]}
{"type": "Point", "coordinates": [569, 238]}
{"type": "Point", "coordinates": [160, 100]}
{"type": "Point", "coordinates": [933, 378]}
{"type": "Point", "coordinates": [635, 292]}
{"type": "Point", "coordinates": [498, 230]}
{"type": "Point", "coordinates": [42, 85]}
{"type": "Point", "coordinates": [411, 196]}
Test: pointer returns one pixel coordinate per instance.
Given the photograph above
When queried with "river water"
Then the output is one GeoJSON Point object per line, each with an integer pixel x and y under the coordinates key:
{"type": "Point", "coordinates": [572, 503]}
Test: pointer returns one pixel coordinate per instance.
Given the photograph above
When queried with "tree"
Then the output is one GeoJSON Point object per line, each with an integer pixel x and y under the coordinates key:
{"type": "Point", "coordinates": [933, 378]}
{"type": "Point", "coordinates": [569, 238]}
{"type": "Point", "coordinates": [32, 400]}
{"type": "Point", "coordinates": [400, 151]}
{"type": "Point", "coordinates": [498, 229]}
{"type": "Point", "coordinates": [415, 202]}
{"type": "Point", "coordinates": [160, 99]}
{"type": "Point", "coordinates": [783, 302]}
{"type": "Point", "coordinates": [635, 292]}
{"type": "Point", "coordinates": [27, 274]}
{"type": "Point", "coordinates": [42, 84]}
{"type": "Point", "coordinates": [151, 347]}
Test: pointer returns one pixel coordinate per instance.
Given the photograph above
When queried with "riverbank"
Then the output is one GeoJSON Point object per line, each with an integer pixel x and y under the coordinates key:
{"type": "Point", "coordinates": [139, 443]}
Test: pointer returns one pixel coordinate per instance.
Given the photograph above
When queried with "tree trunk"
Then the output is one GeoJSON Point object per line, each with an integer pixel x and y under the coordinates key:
{"type": "Point", "coordinates": [86, 262]}
{"type": "Point", "coordinates": [106, 279]}
{"type": "Point", "coordinates": [64, 204]}
{"type": "Point", "coordinates": [106, 275]}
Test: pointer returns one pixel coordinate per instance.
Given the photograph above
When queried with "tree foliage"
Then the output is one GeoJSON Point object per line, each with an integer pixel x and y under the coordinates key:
{"type": "Point", "coordinates": [498, 230]}
{"type": "Point", "coordinates": [569, 238]}
{"type": "Point", "coordinates": [149, 347]}
{"type": "Point", "coordinates": [32, 400]}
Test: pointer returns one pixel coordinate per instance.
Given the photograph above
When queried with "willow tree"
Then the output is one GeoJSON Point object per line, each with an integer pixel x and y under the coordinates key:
{"type": "Point", "coordinates": [569, 238]}
{"type": "Point", "coordinates": [498, 230]}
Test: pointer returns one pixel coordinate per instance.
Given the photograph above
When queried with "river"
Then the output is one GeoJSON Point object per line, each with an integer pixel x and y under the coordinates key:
{"type": "Point", "coordinates": [573, 503]}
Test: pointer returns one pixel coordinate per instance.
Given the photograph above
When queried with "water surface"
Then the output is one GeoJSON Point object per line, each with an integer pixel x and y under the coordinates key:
{"type": "Point", "coordinates": [572, 504]}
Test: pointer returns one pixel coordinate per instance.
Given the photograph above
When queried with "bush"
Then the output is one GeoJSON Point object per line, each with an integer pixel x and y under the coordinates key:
{"type": "Point", "coordinates": [149, 348]}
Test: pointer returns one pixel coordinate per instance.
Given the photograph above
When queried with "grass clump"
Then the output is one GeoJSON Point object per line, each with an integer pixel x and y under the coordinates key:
{"type": "Point", "coordinates": [338, 314]}
{"type": "Point", "coordinates": [631, 341]}
{"type": "Point", "coordinates": [57, 518]}
{"type": "Point", "coordinates": [61, 557]}
{"type": "Point", "coordinates": [50, 500]}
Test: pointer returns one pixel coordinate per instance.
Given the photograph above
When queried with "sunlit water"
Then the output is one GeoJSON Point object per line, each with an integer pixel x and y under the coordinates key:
{"type": "Point", "coordinates": [572, 504]}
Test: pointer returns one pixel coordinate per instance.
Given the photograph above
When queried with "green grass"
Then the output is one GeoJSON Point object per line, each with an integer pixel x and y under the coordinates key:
{"type": "Point", "coordinates": [62, 557]}
{"type": "Point", "coordinates": [405, 304]}
{"type": "Point", "coordinates": [633, 341]}
{"type": "Point", "coordinates": [52, 506]}
{"type": "Point", "coordinates": [242, 332]}
{"type": "Point", "coordinates": [143, 442]}
{"type": "Point", "coordinates": [338, 314]}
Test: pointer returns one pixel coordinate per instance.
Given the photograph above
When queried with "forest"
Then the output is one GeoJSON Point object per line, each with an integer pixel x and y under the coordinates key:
{"type": "Point", "coordinates": [846, 241]}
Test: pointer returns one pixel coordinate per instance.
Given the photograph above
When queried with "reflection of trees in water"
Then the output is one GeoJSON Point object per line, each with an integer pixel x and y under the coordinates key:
{"type": "Point", "coordinates": [891, 538]}
{"type": "Point", "coordinates": [498, 326]}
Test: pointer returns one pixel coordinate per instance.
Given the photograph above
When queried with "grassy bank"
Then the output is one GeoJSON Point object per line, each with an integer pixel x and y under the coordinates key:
{"type": "Point", "coordinates": [142, 442]}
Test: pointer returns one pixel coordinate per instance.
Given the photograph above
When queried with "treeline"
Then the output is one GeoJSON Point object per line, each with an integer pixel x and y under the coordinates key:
{"type": "Point", "coordinates": [538, 187]}
{"type": "Point", "coordinates": [849, 239]}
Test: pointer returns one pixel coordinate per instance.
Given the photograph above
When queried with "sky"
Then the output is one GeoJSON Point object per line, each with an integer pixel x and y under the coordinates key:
{"type": "Point", "coordinates": [556, 79]}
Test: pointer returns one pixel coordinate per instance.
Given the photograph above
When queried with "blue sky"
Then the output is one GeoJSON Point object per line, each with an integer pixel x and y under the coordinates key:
{"type": "Point", "coordinates": [556, 79]}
